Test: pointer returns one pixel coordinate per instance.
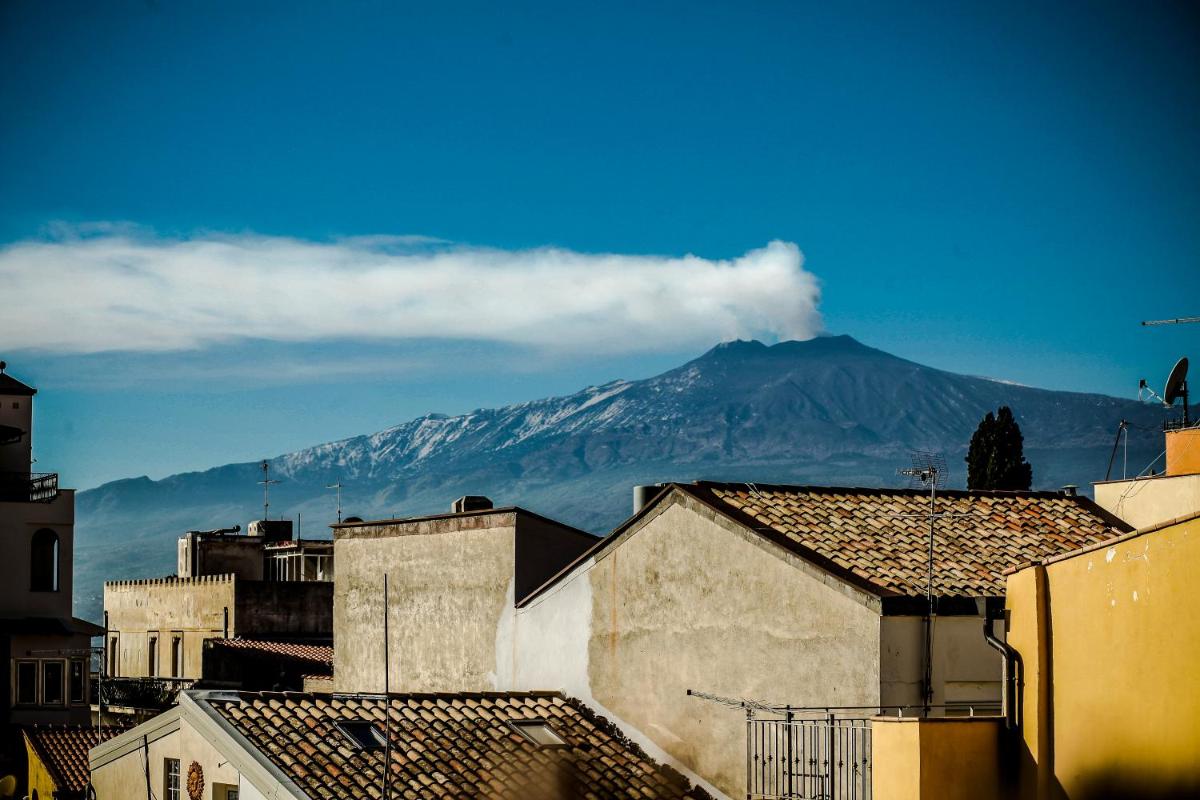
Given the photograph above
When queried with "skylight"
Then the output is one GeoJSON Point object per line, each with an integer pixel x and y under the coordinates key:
{"type": "Point", "coordinates": [364, 735]}
{"type": "Point", "coordinates": [538, 732]}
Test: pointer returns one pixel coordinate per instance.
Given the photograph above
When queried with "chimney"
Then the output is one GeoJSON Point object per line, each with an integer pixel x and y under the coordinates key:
{"type": "Point", "coordinates": [643, 494]}
{"type": "Point", "coordinates": [272, 530]}
{"type": "Point", "coordinates": [471, 502]}
{"type": "Point", "coordinates": [1070, 490]}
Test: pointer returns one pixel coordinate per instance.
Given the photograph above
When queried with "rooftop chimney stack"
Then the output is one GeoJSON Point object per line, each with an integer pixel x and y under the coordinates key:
{"type": "Point", "coordinates": [471, 502]}
{"type": "Point", "coordinates": [643, 494]}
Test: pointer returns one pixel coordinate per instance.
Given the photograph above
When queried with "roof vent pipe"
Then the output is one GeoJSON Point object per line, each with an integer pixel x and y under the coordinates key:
{"type": "Point", "coordinates": [643, 494]}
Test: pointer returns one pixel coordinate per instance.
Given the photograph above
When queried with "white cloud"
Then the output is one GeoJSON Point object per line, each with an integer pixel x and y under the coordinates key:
{"type": "Point", "coordinates": [114, 289]}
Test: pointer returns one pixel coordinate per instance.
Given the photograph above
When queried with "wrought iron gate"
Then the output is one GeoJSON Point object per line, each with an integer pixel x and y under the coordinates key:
{"type": "Point", "coordinates": [807, 757]}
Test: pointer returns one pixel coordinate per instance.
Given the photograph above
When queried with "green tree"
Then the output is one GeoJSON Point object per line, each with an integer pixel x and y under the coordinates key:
{"type": "Point", "coordinates": [996, 458]}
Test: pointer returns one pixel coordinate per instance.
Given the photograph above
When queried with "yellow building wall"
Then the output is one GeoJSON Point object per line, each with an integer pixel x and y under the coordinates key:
{"type": "Point", "coordinates": [39, 779]}
{"type": "Point", "coordinates": [936, 759]}
{"type": "Point", "coordinates": [1109, 642]}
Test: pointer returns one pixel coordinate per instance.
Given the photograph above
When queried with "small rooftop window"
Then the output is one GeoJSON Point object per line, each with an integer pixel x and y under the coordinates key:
{"type": "Point", "coordinates": [363, 735]}
{"type": "Point", "coordinates": [538, 732]}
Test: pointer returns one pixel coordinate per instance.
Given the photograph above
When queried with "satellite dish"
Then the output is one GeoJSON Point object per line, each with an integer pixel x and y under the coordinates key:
{"type": "Point", "coordinates": [1176, 383]}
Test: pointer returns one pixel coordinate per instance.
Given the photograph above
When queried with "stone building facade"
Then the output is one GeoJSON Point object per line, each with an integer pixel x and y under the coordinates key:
{"type": "Point", "coordinates": [44, 650]}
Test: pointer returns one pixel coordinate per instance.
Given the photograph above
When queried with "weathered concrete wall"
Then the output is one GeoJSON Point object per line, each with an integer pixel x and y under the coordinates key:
{"type": "Point", "coordinates": [688, 600]}
{"type": "Point", "coordinates": [18, 523]}
{"type": "Point", "coordinates": [1150, 501]}
{"type": "Point", "coordinates": [292, 608]}
{"type": "Point", "coordinates": [216, 554]}
{"type": "Point", "coordinates": [937, 759]}
{"type": "Point", "coordinates": [191, 607]}
{"type": "Point", "coordinates": [449, 579]}
{"type": "Point", "coordinates": [1109, 643]}
{"type": "Point", "coordinates": [965, 668]}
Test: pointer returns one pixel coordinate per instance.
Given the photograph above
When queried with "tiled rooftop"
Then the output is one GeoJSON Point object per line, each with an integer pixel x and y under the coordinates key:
{"type": "Point", "coordinates": [64, 751]}
{"type": "Point", "coordinates": [319, 657]}
{"type": "Point", "coordinates": [449, 746]}
{"type": "Point", "coordinates": [880, 537]}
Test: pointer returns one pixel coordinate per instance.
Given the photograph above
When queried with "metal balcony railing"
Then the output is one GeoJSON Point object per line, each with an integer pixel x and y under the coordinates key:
{"type": "Point", "coordinates": [28, 487]}
{"type": "Point", "coordinates": [156, 693]}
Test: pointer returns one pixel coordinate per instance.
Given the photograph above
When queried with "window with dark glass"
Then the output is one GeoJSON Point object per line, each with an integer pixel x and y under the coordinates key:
{"type": "Point", "coordinates": [43, 561]}
{"type": "Point", "coordinates": [152, 655]}
{"type": "Point", "coordinates": [114, 649]}
{"type": "Point", "coordinates": [78, 681]}
{"type": "Point", "coordinates": [26, 683]}
{"type": "Point", "coordinates": [177, 655]}
{"type": "Point", "coordinates": [171, 779]}
{"type": "Point", "coordinates": [53, 673]}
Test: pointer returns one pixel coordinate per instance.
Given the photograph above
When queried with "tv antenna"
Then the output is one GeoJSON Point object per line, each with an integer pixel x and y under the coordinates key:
{"type": "Point", "coordinates": [337, 485]}
{"type": "Point", "coordinates": [267, 482]}
{"type": "Point", "coordinates": [1176, 321]}
{"type": "Point", "coordinates": [928, 471]}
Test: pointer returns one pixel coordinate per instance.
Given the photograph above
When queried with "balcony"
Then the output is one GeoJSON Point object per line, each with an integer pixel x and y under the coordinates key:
{"type": "Point", "coordinates": [28, 487]}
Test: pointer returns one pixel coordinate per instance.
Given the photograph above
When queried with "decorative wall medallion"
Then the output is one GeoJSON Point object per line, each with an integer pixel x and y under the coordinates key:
{"type": "Point", "coordinates": [195, 784]}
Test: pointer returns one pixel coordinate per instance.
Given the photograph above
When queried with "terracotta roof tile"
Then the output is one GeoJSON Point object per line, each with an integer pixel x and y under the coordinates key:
{"type": "Point", "coordinates": [317, 657]}
{"type": "Point", "coordinates": [63, 749]}
{"type": "Point", "coordinates": [449, 745]}
{"type": "Point", "coordinates": [879, 537]}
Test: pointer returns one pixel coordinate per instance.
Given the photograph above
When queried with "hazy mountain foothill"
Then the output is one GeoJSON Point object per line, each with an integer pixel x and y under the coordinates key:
{"type": "Point", "coordinates": [830, 410]}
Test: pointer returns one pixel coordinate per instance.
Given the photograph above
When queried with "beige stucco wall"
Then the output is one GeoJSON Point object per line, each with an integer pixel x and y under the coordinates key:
{"type": "Point", "coordinates": [1150, 501]}
{"type": "Point", "coordinates": [126, 776]}
{"type": "Point", "coordinates": [18, 523]}
{"type": "Point", "coordinates": [965, 668]}
{"type": "Point", "coordinates": [17, 411]}
{"type": "Point", "coordinates": [1109, 642]}
{"type": "Point", "coordinates": [688, 600]}
{"type": "Point", "coordinates": [449, 580]}
{"type": "Point", "coordinates": [194, 607]}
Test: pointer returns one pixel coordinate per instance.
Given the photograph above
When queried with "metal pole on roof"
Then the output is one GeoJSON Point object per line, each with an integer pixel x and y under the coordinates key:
{"type": "Point", "coordinates": [387, 699]}
{"type": "Point", "coordinates": [338, 486]}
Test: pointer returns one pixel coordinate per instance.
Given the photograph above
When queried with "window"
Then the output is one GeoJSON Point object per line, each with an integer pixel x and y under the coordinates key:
{"type": "Point", "coordinates": [177, 655]}
{"type": "Point", "coordinates": [538, 732]}
{"type": "Point", "coordinates": [53, 673]}
{"type": "Point", "coordinates": [171, 779]}
{"type": "Point", "coordinates": [223, 791]}
{"type": "Point", "coordinates": [27, 683]}
{"type": "Point", "coordinates": [78, 681]}
{"type": "Point", "coordinates": [43, 561]}
{"type": "Point", "coordinates": [152, 655]}
{"type": "Point", "coordinates": [114, 649]}
{"type": "Point", "coordinates": [362, 734]}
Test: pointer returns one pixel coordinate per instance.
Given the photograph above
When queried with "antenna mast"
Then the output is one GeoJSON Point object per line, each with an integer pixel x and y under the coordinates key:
{"type": "Point", "coordinates": [928, 470]}
{"type": "Point", "coordinates": [1176, 321]}
{"type": "Point", "coordinates": [338, 486]}
{"type": "Point", "coordinates": [266, 482]}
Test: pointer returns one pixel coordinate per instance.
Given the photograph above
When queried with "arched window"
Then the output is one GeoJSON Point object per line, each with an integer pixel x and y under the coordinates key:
{"type": "Point", "coordinates": [43, 561]}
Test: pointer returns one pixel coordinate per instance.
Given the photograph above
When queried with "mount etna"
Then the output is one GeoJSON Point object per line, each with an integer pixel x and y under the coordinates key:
{"type": "Point", "coordinates": [829, 410]}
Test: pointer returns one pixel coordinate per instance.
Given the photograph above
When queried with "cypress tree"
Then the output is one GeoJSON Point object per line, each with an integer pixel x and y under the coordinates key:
{"type": "Point", "coordinates": [996, 457]}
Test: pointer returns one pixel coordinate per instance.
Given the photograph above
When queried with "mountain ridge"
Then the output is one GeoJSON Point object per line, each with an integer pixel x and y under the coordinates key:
{"type": "Point", "coordinates": [829, 410]}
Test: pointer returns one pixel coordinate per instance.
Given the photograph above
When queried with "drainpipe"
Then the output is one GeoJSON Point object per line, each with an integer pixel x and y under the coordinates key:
{"type": "Point", "coordinates": [1007, 654]}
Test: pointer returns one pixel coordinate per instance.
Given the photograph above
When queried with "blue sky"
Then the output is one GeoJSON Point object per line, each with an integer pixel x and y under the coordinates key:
{"type": "Point", "coordinates": [998, 189]}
